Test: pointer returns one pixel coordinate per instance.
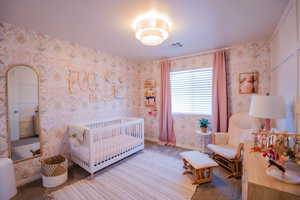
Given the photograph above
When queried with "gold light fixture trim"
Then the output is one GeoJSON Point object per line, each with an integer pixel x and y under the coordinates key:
{"type": "Point", "coordinates": [152, 28]}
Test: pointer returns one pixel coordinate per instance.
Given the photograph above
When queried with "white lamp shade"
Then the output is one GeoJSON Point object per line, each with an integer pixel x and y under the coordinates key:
{"type": "Point", "coordinates": [267, 107]}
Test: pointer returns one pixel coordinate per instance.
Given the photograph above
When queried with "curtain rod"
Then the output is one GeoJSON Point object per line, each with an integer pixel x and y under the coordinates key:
{"type": "Point", "coordinates": [195, 54]}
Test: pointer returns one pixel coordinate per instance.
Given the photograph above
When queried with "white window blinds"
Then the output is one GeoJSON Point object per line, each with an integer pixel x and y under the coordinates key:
{"type": "Point", "coordinates": [191, 91]}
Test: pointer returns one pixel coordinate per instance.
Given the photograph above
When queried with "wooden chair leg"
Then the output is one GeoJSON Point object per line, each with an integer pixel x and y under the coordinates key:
{"type": "Point", "coordinates": [233, 166]}
{"type": "Point", "coordinates": [91, 177]}
{"type": "Point", "coordinates": [197, 177]}
{"type": "Point", "coordinates": [209, 174]}
{"type": "Point", "coordinates": [187, 172]}
{"type": "Point", "coordinates": [202, 171]}
{"type": "Point", "coordinates": [230, 176]}
{"type": "Point", "coordinates": [185, 164]}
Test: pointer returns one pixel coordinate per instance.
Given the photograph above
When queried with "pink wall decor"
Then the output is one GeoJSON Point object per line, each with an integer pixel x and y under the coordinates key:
{"type": "Point", "coordinates": [150, 93]}
{"type": "Point", "coordinates": [82, 80]}
{"type": "Point", "coordinates": [248, 82]}
{"type": "Point", "coordinates": [90, 82]}
{"type": "Point", "coordinates": [150, 99]}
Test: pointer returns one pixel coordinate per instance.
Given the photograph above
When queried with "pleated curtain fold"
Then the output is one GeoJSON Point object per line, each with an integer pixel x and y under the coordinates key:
{"type": "Point", "coordinates": [220, 101]}
{"type": "Point", "coordinates": [167, 135]}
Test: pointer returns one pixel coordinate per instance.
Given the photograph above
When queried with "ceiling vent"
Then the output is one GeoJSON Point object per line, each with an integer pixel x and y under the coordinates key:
{"type": "Point", "coordinates": [176, 45]}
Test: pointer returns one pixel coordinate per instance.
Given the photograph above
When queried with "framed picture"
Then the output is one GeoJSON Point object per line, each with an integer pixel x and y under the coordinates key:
{"type": "Point", "coordinates": [248, 83]}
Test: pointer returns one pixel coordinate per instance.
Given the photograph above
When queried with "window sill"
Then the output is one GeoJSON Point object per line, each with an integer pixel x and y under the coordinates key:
{"type": "Point", "coordinates": [189, 114]}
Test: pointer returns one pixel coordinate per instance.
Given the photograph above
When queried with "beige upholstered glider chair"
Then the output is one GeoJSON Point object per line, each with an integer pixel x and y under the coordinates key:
{"type": "Point", "coordinates": [227, 147]}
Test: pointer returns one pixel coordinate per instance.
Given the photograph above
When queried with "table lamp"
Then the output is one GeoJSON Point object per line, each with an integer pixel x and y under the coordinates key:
{"type": "Point", "coordinates": [267, 107]}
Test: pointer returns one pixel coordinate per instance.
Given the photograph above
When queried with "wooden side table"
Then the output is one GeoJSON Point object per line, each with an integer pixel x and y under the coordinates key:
{"type": "Point", "coordinates": [205, 139]}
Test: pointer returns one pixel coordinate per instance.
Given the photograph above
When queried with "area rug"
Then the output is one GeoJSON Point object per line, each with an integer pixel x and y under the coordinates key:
{"type": "Point", "coordinates": [147, 175]}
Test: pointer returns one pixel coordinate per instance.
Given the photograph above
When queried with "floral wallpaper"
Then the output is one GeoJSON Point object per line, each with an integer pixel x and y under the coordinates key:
{"type": "Point", "coordinates": [241, 58]}
{"type": "Point", "coordinates": [248, 57]}
{"type": "Point", "coordinates": [53, 60]}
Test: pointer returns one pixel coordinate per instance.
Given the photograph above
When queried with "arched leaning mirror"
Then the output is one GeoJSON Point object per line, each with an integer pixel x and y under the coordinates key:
{"type": "Point", "coordinates": [23, 112]}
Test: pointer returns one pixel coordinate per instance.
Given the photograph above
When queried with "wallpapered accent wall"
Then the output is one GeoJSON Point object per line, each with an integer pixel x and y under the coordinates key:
{"type": "Point", "coordinates": [53, 59]}
{"type": "Point", "coordinates": [248, 57]}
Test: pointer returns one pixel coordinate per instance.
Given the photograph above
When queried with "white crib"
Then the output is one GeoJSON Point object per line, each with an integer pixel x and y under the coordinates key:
{"type": "Point", "coordinates": [99, 144]}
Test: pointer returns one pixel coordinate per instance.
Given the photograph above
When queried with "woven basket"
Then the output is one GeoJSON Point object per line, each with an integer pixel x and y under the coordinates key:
{"type": "Point", "coordinates": [54, 166]}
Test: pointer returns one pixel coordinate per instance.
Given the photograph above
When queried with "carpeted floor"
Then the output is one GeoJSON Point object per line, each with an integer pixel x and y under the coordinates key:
{"type": "Point", "coordinates": [219, 189]}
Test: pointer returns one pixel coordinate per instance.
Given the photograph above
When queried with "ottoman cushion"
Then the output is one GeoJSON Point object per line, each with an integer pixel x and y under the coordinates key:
{"type": "Point", "coordinates": [198, 160]}
{"type": "Point", "coordinates": [226, 151]}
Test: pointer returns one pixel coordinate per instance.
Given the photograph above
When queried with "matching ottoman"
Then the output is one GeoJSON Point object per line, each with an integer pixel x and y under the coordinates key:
{"type": "Point", "coordinates": [198, 164]}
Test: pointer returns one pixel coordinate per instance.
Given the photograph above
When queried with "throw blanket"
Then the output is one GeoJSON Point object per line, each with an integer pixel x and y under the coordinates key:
{"type": "Point", "coordinates": [77, 133]}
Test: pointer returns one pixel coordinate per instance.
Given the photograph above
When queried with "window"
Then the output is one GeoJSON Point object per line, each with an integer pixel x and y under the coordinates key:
{"type": "Point", "coordinates": [192, 91]}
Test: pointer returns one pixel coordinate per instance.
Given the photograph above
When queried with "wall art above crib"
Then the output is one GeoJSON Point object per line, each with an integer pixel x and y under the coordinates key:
{"type": "Point", "coordinates": [100, 88]}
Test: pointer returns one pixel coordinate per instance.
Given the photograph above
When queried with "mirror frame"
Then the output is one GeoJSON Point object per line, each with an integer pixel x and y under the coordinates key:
{"type": "Point", "coordinates": [7, 113]}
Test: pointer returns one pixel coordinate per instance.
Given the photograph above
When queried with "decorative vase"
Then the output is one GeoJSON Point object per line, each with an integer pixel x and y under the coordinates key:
{"type": "Point", "coordinates": [203, 129]}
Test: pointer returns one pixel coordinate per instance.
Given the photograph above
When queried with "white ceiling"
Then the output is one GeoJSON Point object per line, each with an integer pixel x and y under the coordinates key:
{"type": "Point", "coordinates": [106, 24]}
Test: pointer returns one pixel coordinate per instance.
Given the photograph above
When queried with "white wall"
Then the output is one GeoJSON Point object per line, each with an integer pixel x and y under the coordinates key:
{"type": "Point", "coordinates": [284, 64]}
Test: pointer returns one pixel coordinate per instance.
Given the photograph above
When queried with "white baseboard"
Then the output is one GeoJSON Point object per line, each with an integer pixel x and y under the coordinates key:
{"type": "Point", "coordinates": [29, 179]}
{"type": "Point", "coordinates": [187, 147]}
{"type": "Point", "coordinates": [177, 145]}
{"type": "Point", "coordinates": [152, 139]}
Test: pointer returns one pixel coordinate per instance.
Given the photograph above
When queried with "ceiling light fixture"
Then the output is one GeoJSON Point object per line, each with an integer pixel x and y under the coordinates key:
{"type": "Point", "coordinates": [152, 28]}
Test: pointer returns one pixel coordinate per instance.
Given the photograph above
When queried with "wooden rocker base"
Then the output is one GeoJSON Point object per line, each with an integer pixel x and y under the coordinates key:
{"type": "Point", "coordinates": [203, 175]}
{"type": "Point", "coordinates": [234, 167]}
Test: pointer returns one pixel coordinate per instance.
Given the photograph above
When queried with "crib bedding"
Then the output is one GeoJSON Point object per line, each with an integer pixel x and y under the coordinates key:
{"type": "Point", "coordinates": [107, 148]}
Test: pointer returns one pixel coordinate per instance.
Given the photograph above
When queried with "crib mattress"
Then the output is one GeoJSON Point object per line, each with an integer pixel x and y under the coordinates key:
{"type": "Point", "coordinates": [108, 148]}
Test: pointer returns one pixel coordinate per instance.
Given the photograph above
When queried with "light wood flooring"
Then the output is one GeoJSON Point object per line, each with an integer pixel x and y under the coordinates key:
{"type": "Point", "coordinates": [219, 189]}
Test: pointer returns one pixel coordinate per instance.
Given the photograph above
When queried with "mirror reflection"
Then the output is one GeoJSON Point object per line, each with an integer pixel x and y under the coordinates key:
{"type": "Point", "coordinates": [23, 112]}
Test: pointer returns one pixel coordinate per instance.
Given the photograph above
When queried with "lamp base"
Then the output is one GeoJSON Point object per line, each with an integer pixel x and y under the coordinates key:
{"type": "Point", "coordinates": [267, 125]}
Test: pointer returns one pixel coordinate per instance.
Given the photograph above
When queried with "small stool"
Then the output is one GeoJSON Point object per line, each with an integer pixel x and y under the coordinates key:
{"type": "Point", "coordinates": [198, 164]}
{"type": "Point", "coordinates": [7, 179]}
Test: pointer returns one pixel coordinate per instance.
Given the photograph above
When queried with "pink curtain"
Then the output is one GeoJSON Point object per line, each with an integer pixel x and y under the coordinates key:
{"type": "Point", "coordinates": [167, 136]}
{"type": "Point", "coordinates": [220, 106]}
